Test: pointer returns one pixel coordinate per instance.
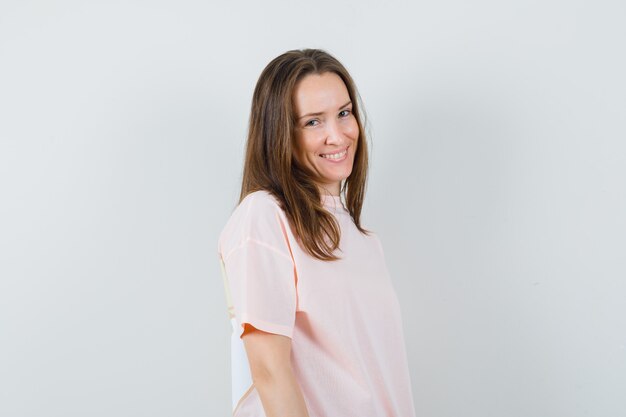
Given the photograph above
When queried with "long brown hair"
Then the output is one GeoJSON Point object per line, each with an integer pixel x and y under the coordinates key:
{"type": "Point", "coordinates": [269, 161]}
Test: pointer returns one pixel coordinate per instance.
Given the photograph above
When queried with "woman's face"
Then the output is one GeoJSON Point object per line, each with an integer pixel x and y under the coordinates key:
{"type": "Point", "coordinates": [326, 130]}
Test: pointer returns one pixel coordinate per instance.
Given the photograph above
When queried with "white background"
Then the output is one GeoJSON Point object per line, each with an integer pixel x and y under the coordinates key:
{"type": "Point", "coordinates": [498, 187]}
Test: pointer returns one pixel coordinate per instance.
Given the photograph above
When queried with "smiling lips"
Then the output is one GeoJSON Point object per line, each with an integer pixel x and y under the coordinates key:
{"type": "Point", "coordinates": [339, 156]}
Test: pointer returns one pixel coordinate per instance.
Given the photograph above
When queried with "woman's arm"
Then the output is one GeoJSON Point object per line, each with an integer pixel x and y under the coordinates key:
{"type": "Point", "coordinates": [273, 377]}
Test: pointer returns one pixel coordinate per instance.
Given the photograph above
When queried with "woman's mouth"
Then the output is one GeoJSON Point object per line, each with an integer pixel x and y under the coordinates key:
{"type": "Point", "coordinates": [335, 157]}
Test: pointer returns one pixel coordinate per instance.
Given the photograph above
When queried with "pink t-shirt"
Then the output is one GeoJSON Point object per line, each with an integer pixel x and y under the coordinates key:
{"type": "Point", "coordinates": [343, 317]}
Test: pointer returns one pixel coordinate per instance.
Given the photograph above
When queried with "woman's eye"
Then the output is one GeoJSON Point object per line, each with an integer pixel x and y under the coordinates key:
{"type": "Point", "coordinates": [310, 122]}
{"type": "Point", "coordinates": [347, 112]}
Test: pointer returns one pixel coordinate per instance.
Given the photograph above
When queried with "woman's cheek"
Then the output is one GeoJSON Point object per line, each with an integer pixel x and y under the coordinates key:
{"type": "Point", "coordinates": [354, 129]}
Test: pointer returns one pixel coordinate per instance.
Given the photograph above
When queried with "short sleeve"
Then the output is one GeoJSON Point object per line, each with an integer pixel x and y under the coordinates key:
{"type": "Point", "coordinates": [262, 286]}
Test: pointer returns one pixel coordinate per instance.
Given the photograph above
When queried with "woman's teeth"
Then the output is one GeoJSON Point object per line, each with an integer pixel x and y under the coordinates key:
{"type": "Point", "coordinates": [334, 155]}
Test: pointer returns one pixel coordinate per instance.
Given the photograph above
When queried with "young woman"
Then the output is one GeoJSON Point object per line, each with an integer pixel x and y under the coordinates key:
{"type": "Point", "coordinates": [317, 329]}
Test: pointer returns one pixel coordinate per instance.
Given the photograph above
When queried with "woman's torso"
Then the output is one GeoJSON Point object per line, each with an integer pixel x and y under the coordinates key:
{"type": "Point", "coordinates": [348, 349]}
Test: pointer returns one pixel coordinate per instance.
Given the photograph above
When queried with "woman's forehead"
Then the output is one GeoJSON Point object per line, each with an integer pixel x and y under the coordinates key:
{"type": "Point", "coordinates": [317, 93]}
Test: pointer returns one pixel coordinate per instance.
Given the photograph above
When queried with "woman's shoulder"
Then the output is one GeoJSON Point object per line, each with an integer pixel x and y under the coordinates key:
{"type": "Point", "coordinates": [260, 201]}
{"type": "Point", "coordinates": [258, 216]}
{"type": "Point", "coordinates": [255, 205]}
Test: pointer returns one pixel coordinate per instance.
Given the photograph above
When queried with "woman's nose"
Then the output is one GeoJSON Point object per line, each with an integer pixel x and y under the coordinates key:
{"type": "Point", "coordinates": [334, 135]}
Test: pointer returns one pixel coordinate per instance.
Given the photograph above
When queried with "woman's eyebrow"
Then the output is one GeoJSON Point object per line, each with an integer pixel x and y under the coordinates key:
{"type": "Point", "coordinates": [320, 112]}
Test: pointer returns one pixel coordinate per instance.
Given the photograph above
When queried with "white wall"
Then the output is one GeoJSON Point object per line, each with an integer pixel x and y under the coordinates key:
{"type": "Point", "coordinates": [498, 186]}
